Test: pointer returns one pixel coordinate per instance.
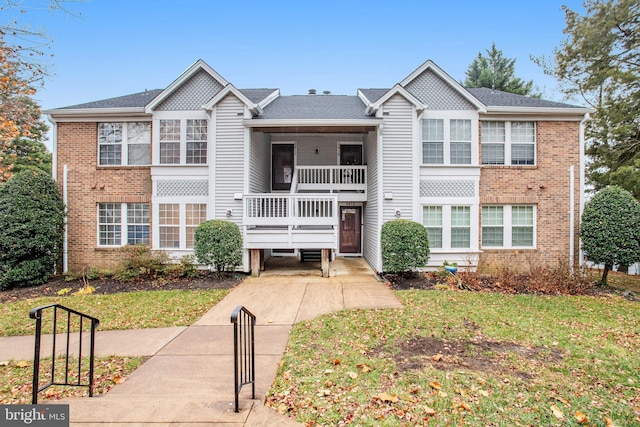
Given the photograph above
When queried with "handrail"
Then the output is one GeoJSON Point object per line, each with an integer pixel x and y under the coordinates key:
{"type": "Point", "coordinates": [36, 314]}
{"type": "Point", "coordinates": [244, 367]}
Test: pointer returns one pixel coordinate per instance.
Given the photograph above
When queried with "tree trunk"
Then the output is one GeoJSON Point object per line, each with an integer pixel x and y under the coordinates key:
{"type": "Point", "coordinates": [605, 273]}
{"type": "Point", "coordinates": [623, 268]}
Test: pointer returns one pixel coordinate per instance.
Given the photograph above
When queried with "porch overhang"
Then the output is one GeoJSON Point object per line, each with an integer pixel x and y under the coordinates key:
{"type": "Point", "coordinates": [314, 125]}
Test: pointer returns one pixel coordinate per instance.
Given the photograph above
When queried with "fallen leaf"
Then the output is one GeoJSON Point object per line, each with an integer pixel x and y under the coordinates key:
{"type": "Point", "coordinates": [5, 363]}
{"type": "Point", "coordinates": [282, 409]}
{"type": "Point", "coordinates": [328, 371]}
{"type": "Point", "coordinates": [435, 385]}
{"type": "Point", "coordinates": [557, 412]}
{"type": "Point", "coordinates": [323, 392]}
{"type": "Point", "coordinates": [465, 406]}
{"type": "Point", "coordinates": [609, 422]}
{"type": "Point", "coordinates": [336, 361]}
{"type": "Point", "coordinates": [565, 401]}
{"type": "Point", "coordinates": [118, 380]}
{"type": "Point", "coordinates": [386, 397]}
{"type": "Point", "coordinates": [436, 357]}
{"type": "Point", "coordinates": [352, 375]}
{"type": "Point", "coordinates": [364, 367]}
{"type": "Point", "coordinates": [581, 417]}
{"type": "Point", "coordinates": [483, 393]}
{"type": "Point", "coordinates": [429, 411]}
{"type": "Point", "coordinates": [21, 364]}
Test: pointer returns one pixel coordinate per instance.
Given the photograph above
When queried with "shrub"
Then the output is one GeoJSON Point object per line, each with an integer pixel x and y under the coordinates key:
{"type": "Point", "coordinates": [32, 220]}
{"type": "Point", "coordinates": [405, 246]}
{"type": "Point", "coordinates": [610, 229]}
{"type": "Point", "coordinates": [218, 244]}
{"type": "Point", "coordinates": [141, 261]}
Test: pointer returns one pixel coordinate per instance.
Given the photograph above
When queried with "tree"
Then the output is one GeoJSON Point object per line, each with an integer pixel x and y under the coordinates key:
{"type": "Point", "coordinates": [218, 243]}
{"type": "Point", "coordinates": [599, 61]}
{"type": "Point", "coordinates": [610, 229]}
{"type": "Point", "coordinates": [26, 152]}
{"type": "Point", "coordinates": [31, 220]}
{"type": "Point", "coordinates": [494, 71]}
{"type": "Point", "coordinates": [404, 245]}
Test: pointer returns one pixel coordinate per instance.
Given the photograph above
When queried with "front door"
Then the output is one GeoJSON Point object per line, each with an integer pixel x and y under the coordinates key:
{"type": "Point", "coordinates": [282, 161]}
{"type": "Point", "coordinates": [350, 154]}
{"type": "Point", "coordinates": [350, 217]}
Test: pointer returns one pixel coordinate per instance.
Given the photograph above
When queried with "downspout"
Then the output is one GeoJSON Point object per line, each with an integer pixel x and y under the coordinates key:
{"type": "Point", "coordinates": [65, 200]}
{"type": "Point", "coordinates": [572, 217]}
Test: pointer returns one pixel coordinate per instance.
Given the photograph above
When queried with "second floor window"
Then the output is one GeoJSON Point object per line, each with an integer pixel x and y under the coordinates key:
{"type": "Point", "coordinates": [508, 143]}
{"type": "Point", "coordinates": [183, 141]}
{"type": "Point", "coordinates": [446, 142]}
{"type": "Point", "coordinates": [127, 143]}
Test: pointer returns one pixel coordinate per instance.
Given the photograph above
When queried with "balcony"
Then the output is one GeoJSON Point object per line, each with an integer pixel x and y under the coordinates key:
{"type": "Point", "coordinates": [348, 182]}
{"type": "Point", "coordinates": [290, 221]}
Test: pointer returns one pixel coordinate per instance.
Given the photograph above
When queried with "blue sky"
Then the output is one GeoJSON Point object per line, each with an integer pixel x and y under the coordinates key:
{"type": "Point", "coordinates": [117, 47]}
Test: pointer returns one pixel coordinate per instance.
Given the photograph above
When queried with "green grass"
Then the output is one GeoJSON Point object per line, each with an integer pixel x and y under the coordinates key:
{"type": "Point", "coordinates": [576, 355]}
{"type": "Point", "coordinates": [128, 310]}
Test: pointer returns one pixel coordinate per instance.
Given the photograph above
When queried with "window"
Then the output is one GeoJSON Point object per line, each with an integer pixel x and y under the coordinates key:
{"type": "Point", "coordinates": [448, 226]}
{"type": "Point", "coordinates": [508, 143]}
{"type": "Point", "coordinates": [432, 220]}
{"type": "Point", "coordinates": [169, 222]}
{"type": "Point", "coordinates": [460, 227]}
{"type": "Point", "coordinates": [113, 218]}
{"type": "Point", "coordinates": [196, 213]}
{"type": "Point", "coordinates": [196, 141]}
{"type": "Point", "coordinates": [126, 143]}
{"type": "Point", "coordinates": [183, 141]}
{"type": "Point", "coordinates": [169, 142]}
{"type": "Point", "coordinates": [433, 141]}
{"type": "Point", "coordinates": [446, 142]}
{"type": "Point", "coordinates": [177, 223]}
{"type": "Point", "coordinates": [508, 226]}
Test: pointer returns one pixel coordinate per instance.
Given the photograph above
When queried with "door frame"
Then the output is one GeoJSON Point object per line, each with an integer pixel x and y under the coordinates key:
{"type": "Point", "coordinates": [360, 208]}
{"type": "Point", "coordinates": [271, 166]}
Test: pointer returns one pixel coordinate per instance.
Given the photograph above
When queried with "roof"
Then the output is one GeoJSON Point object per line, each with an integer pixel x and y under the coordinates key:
{"type": "Point", "coordinates": [140, 99]}
{"type": "Point", "coordinates": [257, 95]}
{"type": "Point", "coordinates": [498, 98]}
{"type": "Point", "coordinates": [315, 107]}
{"type": "Point", "coordinates": [373, 94]}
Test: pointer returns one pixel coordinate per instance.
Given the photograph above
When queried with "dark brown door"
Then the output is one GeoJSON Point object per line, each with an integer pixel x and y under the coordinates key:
{"type": "Point", "coordinates": [350, 154]}
{"type": "Point", "coordinates": [350, 229]}
{"type": "Point", "coordinates": [282, 160]}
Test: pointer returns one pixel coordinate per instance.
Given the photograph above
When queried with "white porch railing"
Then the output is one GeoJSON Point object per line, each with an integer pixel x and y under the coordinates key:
{"type": "Point", "coordinates": [331, 179]}
{"type": "Point", "coordinates": [288, 221]}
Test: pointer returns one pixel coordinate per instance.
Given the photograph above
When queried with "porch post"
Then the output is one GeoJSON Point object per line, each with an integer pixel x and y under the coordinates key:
{"type": "Point", "coordinates": [325, 262]}
{"type": "Point", "coordinates": [255, 262]}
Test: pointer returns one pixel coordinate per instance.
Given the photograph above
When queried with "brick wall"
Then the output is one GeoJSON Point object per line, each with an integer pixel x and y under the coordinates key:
{"type": "Point", "coordinates": [546, 185]}
{"type": "Point", "coordinates": [90, 184]}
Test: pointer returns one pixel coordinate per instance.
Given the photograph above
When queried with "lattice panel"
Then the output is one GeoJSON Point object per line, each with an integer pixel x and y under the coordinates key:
{"type": "Point", "coordinates": [436, 93]}
{"type": "Point", "coordinates": [447, 189]}
{"type": "Point", "coordinates": [182, 188]}
{"type": "Point", "coordinates": [193, 94]}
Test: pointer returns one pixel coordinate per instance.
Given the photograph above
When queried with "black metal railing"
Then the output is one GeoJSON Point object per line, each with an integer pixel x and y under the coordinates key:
{"type": "Point", "coordinates": [243, 351]}
{"type": "Point", "coordinates": [67, 328]}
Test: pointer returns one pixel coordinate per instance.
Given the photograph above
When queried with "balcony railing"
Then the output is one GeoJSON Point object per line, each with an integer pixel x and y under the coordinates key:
{"type": "Point", "coordinates": [331, 179]}
{"type": "Point", "coordinates": [296, 210]}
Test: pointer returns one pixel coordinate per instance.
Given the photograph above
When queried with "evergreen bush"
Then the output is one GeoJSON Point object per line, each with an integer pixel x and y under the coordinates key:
{"type": "Point", "coordinates": [405, 246]}
{"type": "Point", "coordinates": [218, 244]}
{"type": "Point", "coordinates": [31, 229]}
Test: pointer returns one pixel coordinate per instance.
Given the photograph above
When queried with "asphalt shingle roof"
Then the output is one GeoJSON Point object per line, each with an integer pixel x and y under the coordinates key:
{"type": "Point", "coordinates": [310, 107]}
{"type": "Point", "coordinates": [257, 95]}
{"type": "Point", "coordinates": [373, 94]}
{"type": "Point", "coordinates": [497, 98]}
{"type": "Point", "coordinates": [140, 99]}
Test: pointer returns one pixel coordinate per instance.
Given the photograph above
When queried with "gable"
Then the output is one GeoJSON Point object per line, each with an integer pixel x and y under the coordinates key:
{"type": "Point", "coordinates": [193, 93]}
{"type": "Point", "coordinates": [437, 94]}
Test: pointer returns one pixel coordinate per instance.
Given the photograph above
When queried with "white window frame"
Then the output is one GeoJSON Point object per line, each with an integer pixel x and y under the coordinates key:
{"type": "Point", "coordinates": [507, 235]}
{"type": "Point", "coordinates": [447, 226]}
{"type": "Point", "coordinates": [183, 117]}
{"type": "Point", "coordinates": [123, 224]}
{"type": "Point", "coordinates": [182, 225]}
{"type": "Point", "coordinates": [508, 142]}
{"type": "Point", "coordinates": [123, 144]}
{"type": "Point", "coordinates": [447, 117]}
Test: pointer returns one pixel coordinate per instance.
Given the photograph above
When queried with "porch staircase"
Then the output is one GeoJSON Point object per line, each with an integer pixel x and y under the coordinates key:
{"type": "Point", "coordinates": [310, 255]}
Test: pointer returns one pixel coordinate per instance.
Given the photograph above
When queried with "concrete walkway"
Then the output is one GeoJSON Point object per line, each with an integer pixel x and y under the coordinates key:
{"type": "Point", "coordinates": [189, 378]}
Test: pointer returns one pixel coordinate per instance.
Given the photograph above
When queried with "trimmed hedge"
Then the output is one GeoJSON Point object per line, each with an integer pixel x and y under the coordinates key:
{"type": "Point", "coordinates": [218, 244]}
{"type": "Point", "coordinates": [31, 229]}
{"type": "Point", "coordinates": [405, 246]}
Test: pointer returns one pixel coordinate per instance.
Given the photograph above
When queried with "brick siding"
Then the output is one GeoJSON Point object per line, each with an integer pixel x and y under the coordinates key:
{"type": "Point", "coordinates": [90, 184]}
{"type": "Point", "coordinates": [546, 185]}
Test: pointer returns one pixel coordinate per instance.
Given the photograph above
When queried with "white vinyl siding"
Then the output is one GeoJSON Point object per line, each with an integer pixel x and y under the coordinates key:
{"type": "Point", "coordinates": [398, 158]}
{"type": "Point", "coordinates": [229, 158]}
{"type": "Point", "coordinates": [508, 226]}
{"type": "Point", "coordinates": [260, 162]}
{"type": "Point", "coordinates": [371, 221]}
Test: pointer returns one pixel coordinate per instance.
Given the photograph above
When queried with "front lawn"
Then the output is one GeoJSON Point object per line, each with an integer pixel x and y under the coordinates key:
{"type": "Point", "coordinates": [454, 358]}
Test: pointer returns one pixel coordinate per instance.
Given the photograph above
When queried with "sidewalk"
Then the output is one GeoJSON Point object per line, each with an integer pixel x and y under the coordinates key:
{"type": "Point", "coordinates": [189, 378]}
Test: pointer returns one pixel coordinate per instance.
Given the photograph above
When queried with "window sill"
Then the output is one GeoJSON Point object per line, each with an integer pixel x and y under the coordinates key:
{"type": "Point", "coordinates": [517, 250]}
{"type": "Point", "coordinates": [127, 167]}
{"type": "Point", "coordinates": [516, 167]}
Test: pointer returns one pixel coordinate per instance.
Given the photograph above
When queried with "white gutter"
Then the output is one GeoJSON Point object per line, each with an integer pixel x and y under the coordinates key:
{"type": "Point", "coordinates": [258, 123]}
{"type": "Point", "coordinates": [65, 200]}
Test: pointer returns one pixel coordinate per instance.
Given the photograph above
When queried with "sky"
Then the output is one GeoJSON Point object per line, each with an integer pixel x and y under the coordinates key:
{"type": "Point", "coordinates": [108, 48]}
